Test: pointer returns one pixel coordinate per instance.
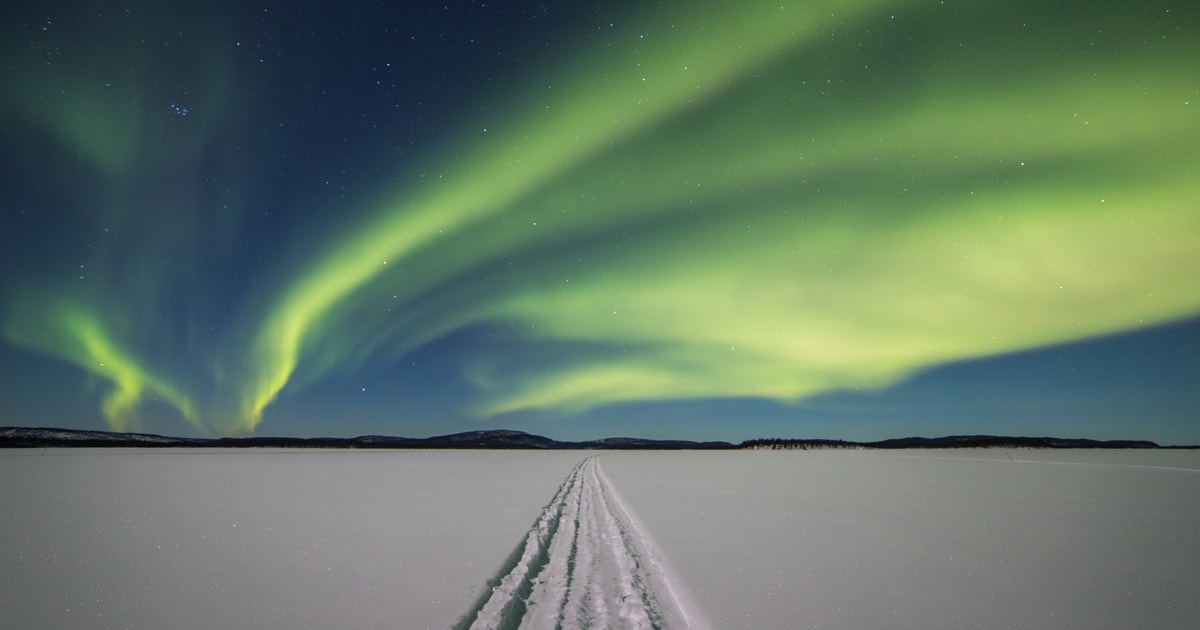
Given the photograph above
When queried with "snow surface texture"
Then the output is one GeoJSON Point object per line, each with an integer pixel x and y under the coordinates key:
{"type": "Point", "coordinates": [926, 539]}
{"type": "Point", "coordinates": [408, 539]}
{"type": "Point", "coordinates": [584, 564]}
{"type": "Point", "coordinates": [260, 538]}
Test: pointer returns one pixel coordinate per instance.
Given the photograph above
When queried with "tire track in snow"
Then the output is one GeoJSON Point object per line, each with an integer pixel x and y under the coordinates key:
{"type": "Point", "coordinates": [583, 564]}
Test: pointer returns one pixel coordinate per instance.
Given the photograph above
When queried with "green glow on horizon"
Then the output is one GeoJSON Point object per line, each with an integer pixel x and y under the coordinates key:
{"type": "Point", "coordinates": [76, 334]}
{"type": "Point", "coordinates": [870, 310]}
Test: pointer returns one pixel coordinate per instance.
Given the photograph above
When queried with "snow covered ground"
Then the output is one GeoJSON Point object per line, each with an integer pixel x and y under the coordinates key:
{"type": "Point", "coordinates": [412, 539]}
{"type": "Point", "coordinates": [926, 539]}
{"type": "Point", "coordinates": [252, 539]}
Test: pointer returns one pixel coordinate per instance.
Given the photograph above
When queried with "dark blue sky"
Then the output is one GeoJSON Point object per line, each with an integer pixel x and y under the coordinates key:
{"type": "Point", "coordinates": [595, 218]}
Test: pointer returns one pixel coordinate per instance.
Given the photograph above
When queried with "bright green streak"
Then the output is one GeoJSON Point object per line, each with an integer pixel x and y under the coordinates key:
{"type": "Point", "coordinates": [698, 219]}
{"type": "Point", "coordinates": [76, 334]}
{"type": "Point", "coordinates": [838, 308]}
{"type": "Point", "coordinates": [639, 91]}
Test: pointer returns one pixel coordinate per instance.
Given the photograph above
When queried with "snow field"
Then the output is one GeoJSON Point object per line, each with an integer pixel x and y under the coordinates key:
{"type": "Point", "coordinates": [926, 539]}
{"type": "Point", "coordinates": [259, 538]}
{"type": "Point", "coordinates": [416, 539]}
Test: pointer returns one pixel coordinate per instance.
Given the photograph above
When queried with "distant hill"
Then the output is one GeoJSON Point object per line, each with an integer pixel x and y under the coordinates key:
{"type": "Point", "coordinates": [24, 437]}
{"type": "Point", "coordinates": [994, 441]}
{"type": "Point", "coordinates": [952, 441]}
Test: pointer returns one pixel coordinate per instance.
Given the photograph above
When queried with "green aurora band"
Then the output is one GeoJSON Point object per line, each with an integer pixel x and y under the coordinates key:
{"type": "Point", "coordinates": [754, 200]}
{"type": "Point", "coordinates": [73, 333]}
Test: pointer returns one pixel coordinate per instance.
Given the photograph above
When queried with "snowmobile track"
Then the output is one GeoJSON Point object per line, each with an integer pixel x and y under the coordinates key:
{"type": "Point", "coordinates": [583, 564]}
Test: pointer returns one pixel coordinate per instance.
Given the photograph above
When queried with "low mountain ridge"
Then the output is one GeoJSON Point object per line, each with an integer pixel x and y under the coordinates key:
{"type": "Point", "coordinates": [23, 437]}
{"type": "Point", "coordinates": [954, 441]}
{"type": "Point", "coordinates": [28, 437]}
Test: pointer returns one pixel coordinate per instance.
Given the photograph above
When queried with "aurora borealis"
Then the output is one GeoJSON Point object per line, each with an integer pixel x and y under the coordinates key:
{"type": "Point", "coordinates": [835, 219]}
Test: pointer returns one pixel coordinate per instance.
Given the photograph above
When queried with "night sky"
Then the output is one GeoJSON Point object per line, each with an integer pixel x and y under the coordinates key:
{"type": "Point", "coordinates": [705, 220]}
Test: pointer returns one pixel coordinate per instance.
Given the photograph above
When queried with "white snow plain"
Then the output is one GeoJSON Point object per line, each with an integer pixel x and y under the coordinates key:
{"type": "Point", "coordinates": [926, 539]}
{"type": "Point", "coordinates": [414, 539]}
{"type": "Point", "coordinates": [260, 539]}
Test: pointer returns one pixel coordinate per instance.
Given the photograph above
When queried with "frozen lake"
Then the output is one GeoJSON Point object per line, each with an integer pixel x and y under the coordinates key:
{"type": "Point", "coordinates": [388, 539]}
{"type": "Point", "coordinates": [927, 539]}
